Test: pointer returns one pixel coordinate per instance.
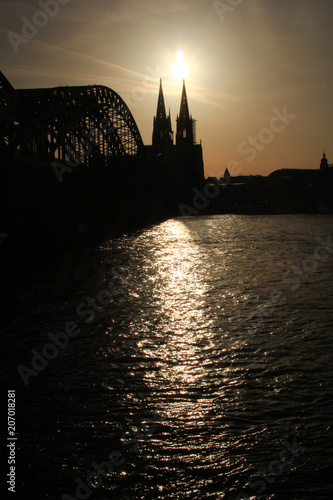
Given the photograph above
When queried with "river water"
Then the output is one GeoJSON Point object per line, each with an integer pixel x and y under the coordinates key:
{"type": "Point", "coordinates": [198, 350]}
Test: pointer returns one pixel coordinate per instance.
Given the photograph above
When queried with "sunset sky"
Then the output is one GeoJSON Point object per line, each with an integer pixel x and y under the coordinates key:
{"type": "Point", "coordinates": [251, 63]}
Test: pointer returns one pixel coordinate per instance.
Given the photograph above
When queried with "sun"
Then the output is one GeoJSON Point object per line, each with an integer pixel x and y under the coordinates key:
{"type": "Point", "coordinates": [180, 69]}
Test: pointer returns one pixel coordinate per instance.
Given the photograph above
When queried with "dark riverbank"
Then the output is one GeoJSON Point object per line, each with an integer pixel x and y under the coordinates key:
{"type": "Point", "coordinates": [42, 218]}
{"type": "Point", "coordinates": [285, 191]}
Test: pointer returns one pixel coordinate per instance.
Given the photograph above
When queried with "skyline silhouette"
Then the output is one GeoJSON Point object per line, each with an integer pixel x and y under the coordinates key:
{"type": "Point", "coordinates": [245, 62]}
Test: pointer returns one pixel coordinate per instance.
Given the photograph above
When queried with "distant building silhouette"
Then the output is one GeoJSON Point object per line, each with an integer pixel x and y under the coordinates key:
{"type": "Point", "coordinates": [324, 163]}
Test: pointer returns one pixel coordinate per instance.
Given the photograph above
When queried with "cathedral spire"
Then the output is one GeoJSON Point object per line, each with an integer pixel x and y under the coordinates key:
{"type": "Point", "coordinates": [185, 123]}
{"type": "Point", "coordinates": [184, 112]}
{"type": "Point", "coordinates": [160, 113]}
{"type": "Point", "coordinates": [162, 131]}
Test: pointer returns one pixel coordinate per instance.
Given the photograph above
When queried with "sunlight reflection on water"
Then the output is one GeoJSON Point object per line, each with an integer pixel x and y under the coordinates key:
{"type": "Point", "coordinates": [175, 344]}
{"type": "Point", "coordinates": [217, 389]}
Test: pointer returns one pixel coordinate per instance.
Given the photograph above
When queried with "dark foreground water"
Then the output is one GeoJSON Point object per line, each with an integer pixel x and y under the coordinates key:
{"type": "Point", "coordinates": [198, 351]}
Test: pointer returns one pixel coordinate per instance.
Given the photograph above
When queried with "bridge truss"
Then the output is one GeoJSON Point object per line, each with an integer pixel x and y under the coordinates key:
{"type": "Point", "coordinates": [89, 125]}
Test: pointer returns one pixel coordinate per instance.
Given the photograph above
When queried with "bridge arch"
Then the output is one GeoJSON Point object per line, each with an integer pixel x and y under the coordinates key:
{"type": "Point", "coordinates": [91, 125]}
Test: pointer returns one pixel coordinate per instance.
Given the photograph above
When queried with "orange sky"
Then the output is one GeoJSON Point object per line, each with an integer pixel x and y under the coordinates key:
{"type": "Point", "coordinates": [260, 82]}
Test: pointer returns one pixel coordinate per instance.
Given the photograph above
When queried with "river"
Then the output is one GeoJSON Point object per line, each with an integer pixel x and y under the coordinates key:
{"type": "Point", "coordinates": [192, 358]}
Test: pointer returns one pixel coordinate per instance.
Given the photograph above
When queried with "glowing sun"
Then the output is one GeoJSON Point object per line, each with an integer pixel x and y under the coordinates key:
{"type": "Point", "coordinates": [180, 69]}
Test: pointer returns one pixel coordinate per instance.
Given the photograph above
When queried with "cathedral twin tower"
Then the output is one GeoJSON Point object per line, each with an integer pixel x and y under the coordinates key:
{"type": "Point", "coordinates": [162, 132]}
{"type": "Point", "coordinates": [186, 155]}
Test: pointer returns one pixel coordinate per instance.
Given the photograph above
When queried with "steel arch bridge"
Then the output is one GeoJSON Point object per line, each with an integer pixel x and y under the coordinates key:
{"type": "Point", "coordinates": [89, 125]}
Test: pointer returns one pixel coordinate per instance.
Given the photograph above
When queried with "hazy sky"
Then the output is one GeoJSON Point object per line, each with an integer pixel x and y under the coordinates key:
{"type": "Point", "coordinates": [261, 71]}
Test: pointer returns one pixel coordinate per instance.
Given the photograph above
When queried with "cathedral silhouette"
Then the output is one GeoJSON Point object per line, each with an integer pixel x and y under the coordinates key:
{"type": "Point", "coordinates": [185, 158]}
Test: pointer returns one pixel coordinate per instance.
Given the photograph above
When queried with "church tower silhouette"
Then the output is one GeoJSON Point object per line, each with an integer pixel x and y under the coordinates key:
{"type": "Point", "coordinates": [162, 131]}
{"type": "Point", "coordinates": [185, 122]}
{"type": "Point", "coordinates": [324, 163]}
{"type": "Point", "coordinates": [183, 160]}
